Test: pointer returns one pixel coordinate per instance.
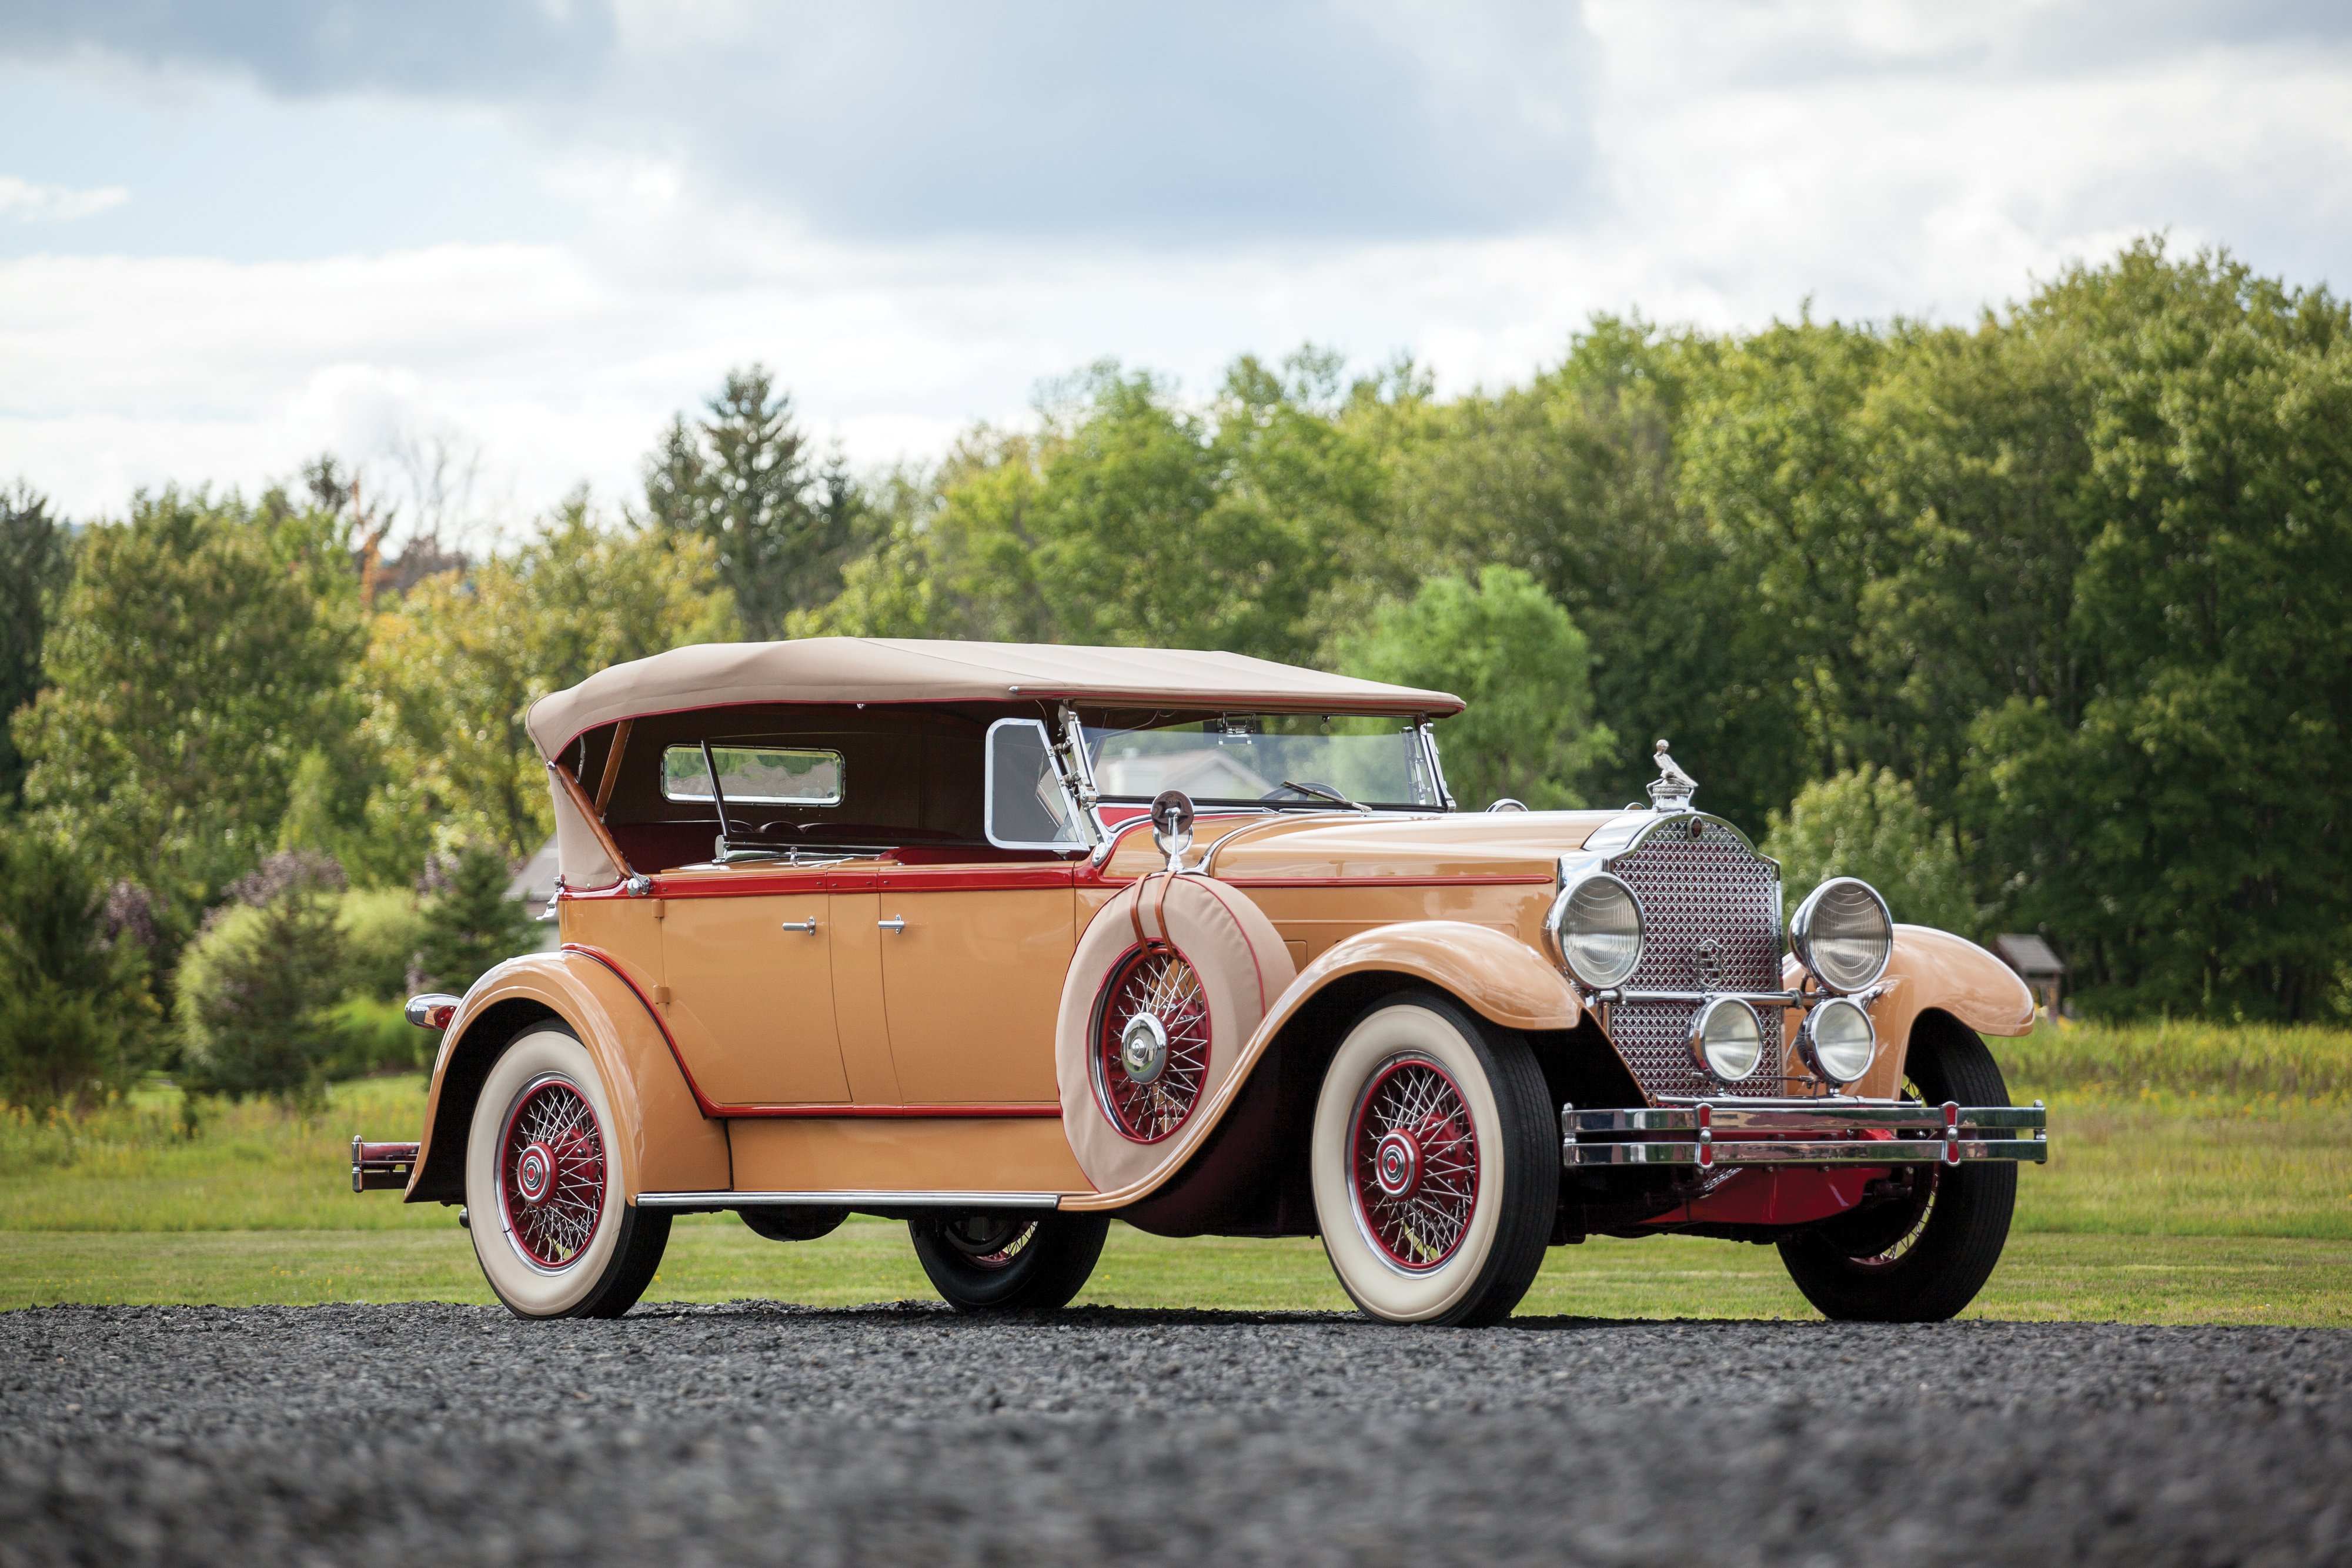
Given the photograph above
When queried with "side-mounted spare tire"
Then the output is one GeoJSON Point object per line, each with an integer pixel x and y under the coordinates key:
{"type": "Point", "coordinates": [1169, 981]}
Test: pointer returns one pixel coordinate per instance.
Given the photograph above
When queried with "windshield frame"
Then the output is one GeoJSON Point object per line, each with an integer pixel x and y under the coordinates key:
{"type": "Point", "coordinates": [1087, 737]}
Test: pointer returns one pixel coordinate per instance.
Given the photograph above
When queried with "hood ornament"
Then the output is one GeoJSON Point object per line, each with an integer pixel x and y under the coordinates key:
{"type": "Point", "coordinates": [1673, 788]}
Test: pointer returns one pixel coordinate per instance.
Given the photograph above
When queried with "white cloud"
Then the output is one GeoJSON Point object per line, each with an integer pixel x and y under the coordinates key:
{"type": "Point", "coordinates": [29, 203]}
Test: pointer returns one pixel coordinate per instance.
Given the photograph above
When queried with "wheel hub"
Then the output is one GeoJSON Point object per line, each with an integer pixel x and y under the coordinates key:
{"type": "Point", "coordinates": [1396, 1165]}
{"type": "Point", "coordinates": [534, 1174]}
{"type": "Point", "coordinates": [1143, 1048]}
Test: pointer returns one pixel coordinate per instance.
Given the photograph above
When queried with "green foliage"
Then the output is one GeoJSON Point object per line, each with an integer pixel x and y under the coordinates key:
{"type": "Point", "coordinates": [382, 929]}
{"type": "Point", "coordinates": [34, 567]}
{"type": "Point", "coordinates": [1516, 659]}
{"type": "Point", "coordinates": [76, 1016]}
{"type": "Point", "coordinates": [451, 671]}
{"type": "Point", "coordinates": [258, 986]}
{"type": "Point", "coordinates": [469, 921]}
{"type": "Point", "coordinates": [200, 652]}
{"type": "Point", "coordinates": [2246, 1066]}
{"type": "Point", "coordinates": [740, 480]}
{"type": "Point", "coordinates": [1868, 823]}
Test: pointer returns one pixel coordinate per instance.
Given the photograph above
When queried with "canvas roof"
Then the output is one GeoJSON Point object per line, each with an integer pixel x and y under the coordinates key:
{"type": "Point", "coordinates": [906, 670]}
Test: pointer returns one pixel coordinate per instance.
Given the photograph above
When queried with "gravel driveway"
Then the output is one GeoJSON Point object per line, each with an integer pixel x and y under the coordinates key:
{"type": "Point", "coordinates": [424, 1435]}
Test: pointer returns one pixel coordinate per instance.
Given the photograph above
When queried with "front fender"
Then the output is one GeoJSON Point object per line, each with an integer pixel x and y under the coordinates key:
{"type": "Point", "coordinates": [1932, 968]}
{"type": "Point", "coordinates": [665, 1144]}
{"type": "Point", "coordinates": [1492, 973]}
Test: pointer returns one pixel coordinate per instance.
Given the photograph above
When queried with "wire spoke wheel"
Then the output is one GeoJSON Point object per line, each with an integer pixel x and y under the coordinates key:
{"type": "Point", "coordinates": [1151, 1055]}
{"type": "Point", "coordinates": [989, 1241]}
{"type": "Point", "coordinates": [1414, 1152]}
{"type": "Point", "coordinates": [551, 1174]}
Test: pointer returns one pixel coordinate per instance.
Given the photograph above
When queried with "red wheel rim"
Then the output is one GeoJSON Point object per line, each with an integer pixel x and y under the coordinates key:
{"type": "Point", "coordinates": [1152, 1044]}
{"type": "Point", "coordinates": [551, 1174]}
{"type": "Point", "coordinates": [1413, 1152]}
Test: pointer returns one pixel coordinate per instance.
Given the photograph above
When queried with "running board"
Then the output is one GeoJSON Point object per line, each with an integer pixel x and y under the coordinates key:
{"type": "Point", "coordinates": [859, 1200]}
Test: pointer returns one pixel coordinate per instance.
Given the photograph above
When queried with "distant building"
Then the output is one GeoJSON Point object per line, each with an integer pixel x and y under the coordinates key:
{"type": "Point", "coordinates": [535, 885]}
{"type": "Point", "coordinates": [2042, 970]}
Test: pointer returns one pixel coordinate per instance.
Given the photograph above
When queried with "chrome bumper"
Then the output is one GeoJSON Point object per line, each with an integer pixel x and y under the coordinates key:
{"type": "Point", "coordinates": [1803, 1133]}
{"type": "Point", "coordinates": [376, 1167]}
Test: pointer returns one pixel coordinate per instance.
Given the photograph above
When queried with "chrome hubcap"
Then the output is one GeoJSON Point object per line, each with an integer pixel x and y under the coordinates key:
{"type": "Point", "coordinates": [1143, 1048]}
{"type": "Point", "coordinates": [534, 1174]}
{"type": "Point", "coordinates": [1396, 1165]}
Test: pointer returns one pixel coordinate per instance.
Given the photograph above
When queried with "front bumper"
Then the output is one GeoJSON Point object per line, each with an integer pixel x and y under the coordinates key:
{"type": "Point", "coordinates": [1803, 1133]}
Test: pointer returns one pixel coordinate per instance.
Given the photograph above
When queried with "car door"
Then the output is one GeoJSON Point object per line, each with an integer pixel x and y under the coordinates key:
{"type": "Point", "coordinates": [746, 960]}
{"type": "Point", "coordinates": [973, 961]}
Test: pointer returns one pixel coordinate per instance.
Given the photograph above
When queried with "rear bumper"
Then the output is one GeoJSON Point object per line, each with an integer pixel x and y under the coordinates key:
{"type": "Point", "coordinates": [377, 1168]}
{"type": "Point", "coordinates": [1803, 1133]}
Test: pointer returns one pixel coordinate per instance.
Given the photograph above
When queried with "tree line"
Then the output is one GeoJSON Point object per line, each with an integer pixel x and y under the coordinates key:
{"type": "Point", "coordinates": [2043, 622]}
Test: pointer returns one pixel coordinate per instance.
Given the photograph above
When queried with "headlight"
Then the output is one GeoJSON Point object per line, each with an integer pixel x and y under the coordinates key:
{"type": "Point", "coordinates": [1726, 1039]}
{"type": "Point", "coordinates": [1837, 1040]}
{"type": "Point", "coordinates": [1843, 934]}
{"type": "Point", "coordinates": [1594, 930]}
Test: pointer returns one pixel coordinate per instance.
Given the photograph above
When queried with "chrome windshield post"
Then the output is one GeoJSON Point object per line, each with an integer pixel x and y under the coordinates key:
{"type": "Point", "coordinates": [1428, 734]}
{"type": "Point", "coordinates": [1077, 775]}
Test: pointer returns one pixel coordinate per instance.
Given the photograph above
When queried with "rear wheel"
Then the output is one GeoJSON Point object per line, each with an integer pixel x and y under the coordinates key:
{"type": "Point", "coordinates": [1434, 1168]}
{"type": "Point", "coordinates": [1009, 1262]}
{"type": "Point", "coordinates": [1923, 1256]}
{"type": "Point", "coordinates": [543, 1186]}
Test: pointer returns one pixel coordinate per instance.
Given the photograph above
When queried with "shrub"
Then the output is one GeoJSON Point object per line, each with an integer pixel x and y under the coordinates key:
{"type": "Point", "coordinates": [1868, 823]}
{"type": "Point", "coordinates": [257, 984]}
{"type": "Point", "coordinates": [77, 1019]}
{"type": "Point", "coordinates": [471, 924]}
{"type": "Point", "coordinates": [383, 927]}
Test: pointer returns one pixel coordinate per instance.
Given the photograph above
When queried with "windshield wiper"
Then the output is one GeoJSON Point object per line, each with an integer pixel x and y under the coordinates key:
{"type": "Point", "coordinates": [1324, 793]}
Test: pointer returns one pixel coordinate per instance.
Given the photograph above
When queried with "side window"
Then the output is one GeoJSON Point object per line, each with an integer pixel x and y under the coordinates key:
{"type": "Point", "coordinates": [1026, 806]}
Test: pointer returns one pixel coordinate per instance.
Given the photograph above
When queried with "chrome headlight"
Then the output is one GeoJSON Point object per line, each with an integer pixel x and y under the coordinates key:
{"type": "Point", "coordinates": [1726, 1039]}
{"type": "Point", "coordinates": [1838, 1041]}
{"type": "Point", "coordinates": [1594, 930]}
{"type": "Point", "coordinates": [1843, 934]}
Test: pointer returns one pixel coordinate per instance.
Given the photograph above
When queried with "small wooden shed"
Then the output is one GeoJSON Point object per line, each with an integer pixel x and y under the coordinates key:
{"type": "Point", "coordinates": [2042, 970]}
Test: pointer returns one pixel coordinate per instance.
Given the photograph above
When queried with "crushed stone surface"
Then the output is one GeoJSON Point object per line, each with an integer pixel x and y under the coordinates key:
{"type": "Point", "coordinates": [757, 1432]}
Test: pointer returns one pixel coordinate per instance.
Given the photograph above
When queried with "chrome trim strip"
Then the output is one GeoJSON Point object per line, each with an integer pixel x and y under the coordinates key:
{"type": "Point", "coordinates": [858, 1199]}
{"type": "Point", "coordinates": [1802, 1116]}
{"type": "Point", "coordinates": [1763, 1152]}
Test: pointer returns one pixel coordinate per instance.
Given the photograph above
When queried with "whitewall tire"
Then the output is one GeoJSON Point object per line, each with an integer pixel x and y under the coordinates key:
{"type": "Point", "coordinates": [544, 1188]}
{"type": "Point", "coordinates": [1434, 1170]}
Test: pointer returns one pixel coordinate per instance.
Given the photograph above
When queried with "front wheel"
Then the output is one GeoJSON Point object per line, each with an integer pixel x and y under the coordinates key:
{"type": "Point", "coordinates": [1923, 1256]}
{"type": "Point", "coordinates": [1008, 1263]}
{"type": "Point", "coordinates": [543, 1186]}
{"type": "Point", "coordinates": [1434, 1168]}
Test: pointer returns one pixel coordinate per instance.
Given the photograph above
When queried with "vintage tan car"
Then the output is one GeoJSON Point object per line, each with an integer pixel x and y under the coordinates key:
{"type": "Point", "coordinates": [1006, 941]}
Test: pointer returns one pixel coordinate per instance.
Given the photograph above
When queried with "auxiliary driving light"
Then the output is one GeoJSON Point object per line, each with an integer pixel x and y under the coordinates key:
{"type": "Point", "coordinates": [1594, 930]}
{"type": "Point", "coordinates": [1726, 1039]}
{"type": "Point", "coordinates": [1837, 1040]}
{"type": "Point", "coordinates": [1843, 934]}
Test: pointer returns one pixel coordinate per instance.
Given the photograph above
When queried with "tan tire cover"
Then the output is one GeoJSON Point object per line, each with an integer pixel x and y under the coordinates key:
{"type": "Point", "coordinates": [1244, 967]}
{"type": "Point", "coordinates": [529, 1289]}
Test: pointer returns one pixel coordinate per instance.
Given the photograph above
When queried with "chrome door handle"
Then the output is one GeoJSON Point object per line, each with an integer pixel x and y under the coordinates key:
{"type": "Point", "coordinates": [808, 925]}
{"type": "Point", "coordinates": [895, 925]}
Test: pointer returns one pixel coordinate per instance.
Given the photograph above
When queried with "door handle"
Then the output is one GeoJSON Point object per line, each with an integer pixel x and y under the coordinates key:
{"type": "Point", "coordinates": [808, 925]}
{"type": "Point", "coordinates": [895, 925]}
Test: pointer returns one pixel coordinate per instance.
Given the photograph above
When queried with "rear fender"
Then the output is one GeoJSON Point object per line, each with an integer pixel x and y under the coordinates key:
{"type": "Point", "coordinates": [665, 1141]}
{"type": "Point", "coordinates": [1494, 974]}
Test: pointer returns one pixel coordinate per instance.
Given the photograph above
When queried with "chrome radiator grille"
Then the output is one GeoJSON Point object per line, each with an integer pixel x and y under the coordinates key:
{"type": "Point", "coordinates": [1713, 910]}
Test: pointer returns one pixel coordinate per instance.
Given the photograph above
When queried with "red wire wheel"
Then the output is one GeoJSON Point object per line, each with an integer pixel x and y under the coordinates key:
{"type": "Point", "coordinates": [1152, 1044]}
{"type": "Point", "coordinates": [1414, 1156]}
{"type": "Point", "coordinates": [551, 1174]}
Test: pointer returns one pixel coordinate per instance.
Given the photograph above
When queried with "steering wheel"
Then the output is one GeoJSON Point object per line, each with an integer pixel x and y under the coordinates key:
{"type": "Point", "coordinates": [1305, 790]}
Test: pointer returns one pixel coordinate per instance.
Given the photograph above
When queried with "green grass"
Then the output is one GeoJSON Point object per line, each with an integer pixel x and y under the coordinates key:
{"type": "Point", "coordinates": [2169, 1198]}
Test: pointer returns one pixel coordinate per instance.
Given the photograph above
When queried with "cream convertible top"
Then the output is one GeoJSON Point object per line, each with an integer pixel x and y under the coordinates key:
{"type": "Point", "coordinates": [896, 670]}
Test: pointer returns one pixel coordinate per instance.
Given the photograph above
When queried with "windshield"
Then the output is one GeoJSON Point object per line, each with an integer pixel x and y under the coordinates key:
{"type": "Point", "coordinates": [1282, 759]}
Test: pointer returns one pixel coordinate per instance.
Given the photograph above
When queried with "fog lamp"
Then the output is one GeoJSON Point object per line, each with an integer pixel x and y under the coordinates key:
{"type": "Point", "coordinates": [1726, 1039]}
{"type": "Point", "coordinates": [1838, 1041]}
{"type": "Point", "coordinates": [1594, 930]}
{"type": "Point", "coordinates": [1843, 934]}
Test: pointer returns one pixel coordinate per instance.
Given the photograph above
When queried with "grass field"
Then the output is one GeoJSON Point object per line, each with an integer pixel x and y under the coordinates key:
{"type": "Point", "coordinates": [2186, 1184]}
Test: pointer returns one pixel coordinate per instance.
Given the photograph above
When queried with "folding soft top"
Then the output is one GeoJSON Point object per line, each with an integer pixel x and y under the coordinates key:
{"type": "Point", "coordinates": [906, 670]}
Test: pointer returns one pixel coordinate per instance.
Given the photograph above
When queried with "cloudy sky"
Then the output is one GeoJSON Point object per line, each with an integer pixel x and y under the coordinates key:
{"type": "Point", "coordinates": [235, 234]}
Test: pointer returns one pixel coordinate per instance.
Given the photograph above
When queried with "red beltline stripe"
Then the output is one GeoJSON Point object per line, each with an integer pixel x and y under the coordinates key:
{"type": "Point", "coordinates": [944, 1113]}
